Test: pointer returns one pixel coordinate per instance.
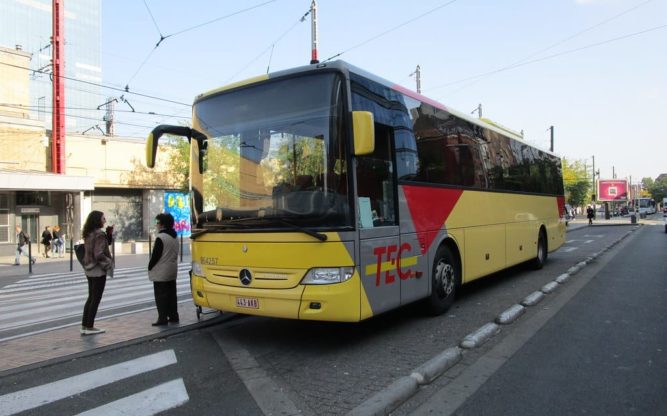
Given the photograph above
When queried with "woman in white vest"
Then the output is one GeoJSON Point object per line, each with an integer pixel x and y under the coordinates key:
{"type": "Point", "coordinates": [163, 269]}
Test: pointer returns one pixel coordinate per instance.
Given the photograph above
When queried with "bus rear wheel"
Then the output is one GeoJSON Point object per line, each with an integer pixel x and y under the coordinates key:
{"type": "Point", "coordinates": [444, 281]}
{"type": "Point", "coordinates": [541, 257]}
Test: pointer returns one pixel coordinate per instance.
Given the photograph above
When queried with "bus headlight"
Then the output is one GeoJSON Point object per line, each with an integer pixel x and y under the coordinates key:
{"type": "Point", "coordinates": [328, 275]}
{"type": "Point", "coordinates": [196, 269]}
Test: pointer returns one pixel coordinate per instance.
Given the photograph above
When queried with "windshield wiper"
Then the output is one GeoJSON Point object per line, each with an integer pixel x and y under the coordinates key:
{"type": "Point", "coordinates": [319, 236]}
{"type": "Point", "coordinates": [242, 223]}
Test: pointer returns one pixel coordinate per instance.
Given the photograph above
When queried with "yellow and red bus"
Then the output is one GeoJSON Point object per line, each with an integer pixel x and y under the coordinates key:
{"type": "Point", "coordinates": [327, 193]}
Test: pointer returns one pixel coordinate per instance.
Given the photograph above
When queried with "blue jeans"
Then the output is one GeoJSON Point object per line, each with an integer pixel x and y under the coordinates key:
{"type": "Point", "coordinates": [22, 250]}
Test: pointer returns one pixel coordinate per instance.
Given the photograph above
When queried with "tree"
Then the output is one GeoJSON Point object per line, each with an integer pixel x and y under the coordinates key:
{"type": "Point", "coordinates": [576, 182]}
{"type": "Point", "coordinates": [179, 166]}
{"type": "Point", "coordinates": [658, 189]}
{"type": "Point", "coordinates": [647, 184]}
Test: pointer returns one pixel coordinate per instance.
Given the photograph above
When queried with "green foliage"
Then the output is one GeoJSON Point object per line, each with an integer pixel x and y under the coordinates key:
{"type": "Point", "coordinates": [577, 184]}
{"type": "Point", "coordinates": [179, 165]}
{"type": "Point", "coordinates": [658, 189]}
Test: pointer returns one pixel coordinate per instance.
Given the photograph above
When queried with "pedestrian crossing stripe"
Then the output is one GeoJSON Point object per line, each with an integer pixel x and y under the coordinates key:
{"type": "Point", "coordinates": [146, 403]}
{"type": "Point", "coordinates": [34, 397]}
{"type": "Point", "coordinates": [30, 304]}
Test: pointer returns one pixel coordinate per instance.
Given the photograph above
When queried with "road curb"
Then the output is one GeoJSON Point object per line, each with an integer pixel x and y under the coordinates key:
{"type": "Point", "coordinates": [389, 399]}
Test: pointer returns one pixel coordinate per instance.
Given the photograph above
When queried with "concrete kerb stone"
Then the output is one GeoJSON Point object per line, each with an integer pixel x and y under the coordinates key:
{"type": "Point", "coordinates": [574, 270]}
{"type": "Point", "coordinates": [561, 279]}
{"type": "Point", "coordinates": [510, 314]}
{"type": "Point", "coordinates": [399, 391]}
{"type": "Point", "coordinates": [549, 287]}
{"type": "Point", "coordinates": [480, 336]}
{"type": "Point", "coordinates": [388, 399]}
{"type": "Point", "coordinates": [436, 366]}
{"type": "Point", "coordinates": [532, 299]}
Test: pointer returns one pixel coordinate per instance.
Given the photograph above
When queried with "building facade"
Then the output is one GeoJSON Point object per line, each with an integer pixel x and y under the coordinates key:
{"type": "Point", "coordinates": [101, 171]}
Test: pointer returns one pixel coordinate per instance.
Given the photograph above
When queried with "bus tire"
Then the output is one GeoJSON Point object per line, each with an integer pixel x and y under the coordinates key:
{"type": "Point", "coordinates": [541, 256]}
{"type": "Point", "coordinates": [444, 280]}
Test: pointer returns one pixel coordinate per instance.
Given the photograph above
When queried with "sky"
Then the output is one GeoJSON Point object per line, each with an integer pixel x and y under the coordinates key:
{"type": "Point", "coordinates": [593, 69]}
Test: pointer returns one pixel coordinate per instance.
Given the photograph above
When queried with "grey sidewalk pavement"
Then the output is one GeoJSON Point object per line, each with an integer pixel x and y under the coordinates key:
{"type": "Point", "coordinates": [64, 343]}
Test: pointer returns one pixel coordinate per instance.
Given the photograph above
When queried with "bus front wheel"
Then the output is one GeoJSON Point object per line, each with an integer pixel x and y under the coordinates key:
{"type": "Point", "coordinates": [444, 280]}
{"type": "Point", "coordinates": [541, 256]}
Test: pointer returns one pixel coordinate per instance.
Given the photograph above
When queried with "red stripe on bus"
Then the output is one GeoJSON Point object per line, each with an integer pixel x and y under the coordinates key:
{"type": "Point", "coordinates": [430, 208]}
{"type": "Point", "coordinates": [560, 200]}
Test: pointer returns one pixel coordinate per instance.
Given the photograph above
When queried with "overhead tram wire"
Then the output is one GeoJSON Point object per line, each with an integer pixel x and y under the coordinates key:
{"type": "Point", "coordinates": [592, 45]}
{"type": "Point", "coordinates": [390, 30]}
{"type": "Point", "coordinates": [560, 42]}
{"type": "Point", "coordinates": [197, 26]}
{"type": "Point", "coordinates": [271, 47]}
{"type": "Point", "coordinates": [100, 85]}
{"type": "Point", "coordinates": [150, 113]}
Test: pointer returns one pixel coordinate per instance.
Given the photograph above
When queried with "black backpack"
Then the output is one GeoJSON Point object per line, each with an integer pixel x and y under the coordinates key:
{"type": "Point", "coordinates": [24, 238]}
{"type": "Point", "coordinates": [80, 251]}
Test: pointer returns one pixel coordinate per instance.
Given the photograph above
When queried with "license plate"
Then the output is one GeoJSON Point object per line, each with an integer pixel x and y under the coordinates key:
{"type": "Point", "coordinates": [251, 303]}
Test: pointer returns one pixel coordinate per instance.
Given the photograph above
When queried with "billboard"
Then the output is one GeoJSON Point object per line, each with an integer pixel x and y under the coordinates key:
{"type": "Point", "coordinates": [178, 205]}
{"type": "Point", "coordinates": [610, 190]}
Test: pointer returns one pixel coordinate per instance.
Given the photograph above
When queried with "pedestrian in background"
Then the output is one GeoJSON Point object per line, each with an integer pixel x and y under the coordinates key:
{"type": "Point", "coordinates": [590, 213]}
{"type": "Point", "coordinates": [97, 263]}
{"type": "Point", "coordinates": [22, 241]}
{"type": "Point", "coordinates": [163, 270]}
{"type": "Point", "coordinates": [46, 240]}
{"type": "Point", "coordinates": [58, 243]}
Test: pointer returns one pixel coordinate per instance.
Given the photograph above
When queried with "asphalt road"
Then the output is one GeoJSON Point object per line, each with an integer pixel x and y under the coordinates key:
{"type": "Point", "coordinates": [270, 366]}
{"type": "Point", "coordinates": [604, 352]}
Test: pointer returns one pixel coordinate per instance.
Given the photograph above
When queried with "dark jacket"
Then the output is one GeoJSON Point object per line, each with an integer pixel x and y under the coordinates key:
{"type": "Point", "coordinates": [46, 237]}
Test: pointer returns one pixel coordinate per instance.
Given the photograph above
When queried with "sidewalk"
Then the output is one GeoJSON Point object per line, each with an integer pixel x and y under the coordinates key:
{"type": "Point", "coordinates": [24, 353]}
{"type": "Point", "coordinates": [582, 221]}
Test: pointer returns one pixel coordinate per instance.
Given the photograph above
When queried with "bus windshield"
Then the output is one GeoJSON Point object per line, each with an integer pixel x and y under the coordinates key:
{"type": "Point", "coordinates": [276, 151]}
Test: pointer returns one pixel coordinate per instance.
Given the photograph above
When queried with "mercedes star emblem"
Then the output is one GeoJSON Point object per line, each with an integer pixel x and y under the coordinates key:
{"type": "Point", "coordinates": [245, 277]}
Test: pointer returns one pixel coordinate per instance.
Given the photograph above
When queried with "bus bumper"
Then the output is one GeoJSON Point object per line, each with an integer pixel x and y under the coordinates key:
{"type": "Point", "coordinates": [338, 302]}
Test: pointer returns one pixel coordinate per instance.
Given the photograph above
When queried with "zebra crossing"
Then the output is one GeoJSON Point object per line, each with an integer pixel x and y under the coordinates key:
{"type": "Point", "coordinates": [50, 301]}
{"type": "Point", "coordinates": [164, 396]}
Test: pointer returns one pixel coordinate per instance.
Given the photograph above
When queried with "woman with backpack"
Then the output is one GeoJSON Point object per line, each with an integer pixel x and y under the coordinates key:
{"type": "Point", "coordinates": [97, 263]}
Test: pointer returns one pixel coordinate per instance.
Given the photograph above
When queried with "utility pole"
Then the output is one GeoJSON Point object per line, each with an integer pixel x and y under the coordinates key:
{"type": "Point", "coordinates": [313, 33]}
{"type": "Point", "coordinates": [418, 78]}
{"type": "Point", "coordinates": [478, 110]}
{"type": "Point", "coordinates": [594, 183]}
{"type": "Point", "coordinates": [108, 118]}
{"type": "Point", "coordinates": [552, 138]}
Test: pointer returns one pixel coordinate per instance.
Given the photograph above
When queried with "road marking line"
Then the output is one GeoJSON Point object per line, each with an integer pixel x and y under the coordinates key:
{"type": "Point", "coordinates": [588, 241]}
{"type": "Point", "coordinates": [569, 249]}
{"type": "Point", "coordinates": [267, 394]}
{"type": "Point", "coordinates": [146, 403]}
{"type": "Point", "coordinates": [48, 393]}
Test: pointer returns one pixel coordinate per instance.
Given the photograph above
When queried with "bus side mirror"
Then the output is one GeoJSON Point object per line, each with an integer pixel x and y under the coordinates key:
{"type": "Point", "coordinates": [187, 132]}
{"type": "Point", "coordinates": [151, 151]}
{"type": "Point", "coordinates": [364, 132]}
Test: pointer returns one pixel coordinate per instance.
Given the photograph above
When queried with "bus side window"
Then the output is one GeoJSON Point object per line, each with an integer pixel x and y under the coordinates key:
{"type": "Point", "coordinates": [375, 178]}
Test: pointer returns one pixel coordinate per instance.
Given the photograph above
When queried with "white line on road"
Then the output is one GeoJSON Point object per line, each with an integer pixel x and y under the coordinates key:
{"type": "Point", "coordinates": [568, 249]}
{"type": "Point", "coordinates": [588, 241]}
{"type": "Point", "coordinates": [146, 403]}
{"type": "Point", "coordinates": [48, 393]}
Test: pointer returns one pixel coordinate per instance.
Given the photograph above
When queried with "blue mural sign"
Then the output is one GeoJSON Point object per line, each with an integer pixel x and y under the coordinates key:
{"type": "Point", "coordinates": [178, 205]}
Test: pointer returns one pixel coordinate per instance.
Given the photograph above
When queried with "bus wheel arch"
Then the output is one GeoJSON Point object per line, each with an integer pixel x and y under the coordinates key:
{"type": "Point", "coordinates": [542, 249]}
{"type": "Point", "coordinates": [445, 278]}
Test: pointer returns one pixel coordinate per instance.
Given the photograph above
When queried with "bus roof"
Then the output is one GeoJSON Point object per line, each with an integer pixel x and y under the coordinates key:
{"type": "Point", "coordinates": [347, 67]}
